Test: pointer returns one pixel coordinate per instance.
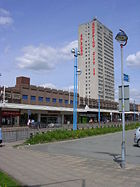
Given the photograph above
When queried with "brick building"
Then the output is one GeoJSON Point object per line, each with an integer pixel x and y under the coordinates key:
{"type": "Point", "coordinates": [49, 105]}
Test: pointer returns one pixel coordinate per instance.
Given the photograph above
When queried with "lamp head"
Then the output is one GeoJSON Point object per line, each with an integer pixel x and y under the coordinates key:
{"type": "Point", "coordinates": [73, 50]}
{"type": "Point", "coordinates": [121, 37]}
{"type": "Point", "coordinates": [79, 72]}
{"type": "Point", "coordinates": [78, 53]}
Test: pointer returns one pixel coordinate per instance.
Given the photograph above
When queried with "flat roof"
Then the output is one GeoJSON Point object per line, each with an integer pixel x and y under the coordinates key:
{"type": "Point", "coordinates": [51, 108]}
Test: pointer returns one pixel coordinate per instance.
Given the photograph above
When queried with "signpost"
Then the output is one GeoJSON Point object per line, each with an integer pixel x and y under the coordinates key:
{"type": "Point", "coordinates": [126, 78]}
{"type": "Point", "coordinates": [126, 99]}
{"type": "Point", "coordinates": [29, 113]}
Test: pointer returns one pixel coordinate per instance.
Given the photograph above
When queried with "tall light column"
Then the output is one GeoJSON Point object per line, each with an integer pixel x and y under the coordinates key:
{"type": "Point", "coordinates": [122, 38]}
{"type": "Point", "coordinates": [76, 53]}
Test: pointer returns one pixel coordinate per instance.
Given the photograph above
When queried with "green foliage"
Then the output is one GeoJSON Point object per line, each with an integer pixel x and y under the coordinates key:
{"type": "Point", "coordinates": [59, 135]}
{"type": "Point", "coordinates": [7, 181]}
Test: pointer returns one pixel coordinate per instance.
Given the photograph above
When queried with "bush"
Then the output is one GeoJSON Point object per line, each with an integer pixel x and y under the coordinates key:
{"type": "Point", "coordinates": [58, 135]}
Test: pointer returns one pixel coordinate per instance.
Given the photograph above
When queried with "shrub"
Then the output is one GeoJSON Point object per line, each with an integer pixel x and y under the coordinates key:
{"type": "Point", "coordinates": [58, 135]}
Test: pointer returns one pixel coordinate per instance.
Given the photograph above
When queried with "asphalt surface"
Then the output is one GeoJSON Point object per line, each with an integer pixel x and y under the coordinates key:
{"type": "Point", "coordinates": [80, 163]}
{"type": "Point", "coordinates": [104, 147]}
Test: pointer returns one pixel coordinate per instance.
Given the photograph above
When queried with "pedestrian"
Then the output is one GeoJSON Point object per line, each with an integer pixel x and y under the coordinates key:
{"type": "Point", "coordinates": [28, 123]}
{"type": "Point", "coordinates": [0, 136]}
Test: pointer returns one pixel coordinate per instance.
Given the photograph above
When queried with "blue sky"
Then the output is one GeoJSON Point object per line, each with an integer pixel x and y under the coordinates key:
{"type": "Point", "coordinates": [36, 37]}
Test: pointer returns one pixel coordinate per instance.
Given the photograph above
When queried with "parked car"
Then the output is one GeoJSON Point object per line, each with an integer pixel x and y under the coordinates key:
{"type": "Point", "coordinates": [56, 125]}
{"type": "Point", "coordinates": [51, 125]}
{"type": "Point", "coordinates": [137, 137]}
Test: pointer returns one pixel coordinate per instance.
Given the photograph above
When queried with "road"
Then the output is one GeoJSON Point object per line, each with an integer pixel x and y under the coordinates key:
{"type": "Point", "coordinates": [104, 147]}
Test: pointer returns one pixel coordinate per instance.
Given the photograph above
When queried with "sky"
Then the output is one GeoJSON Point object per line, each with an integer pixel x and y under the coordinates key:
{"type": "Point", "coordinates": [36, 38]}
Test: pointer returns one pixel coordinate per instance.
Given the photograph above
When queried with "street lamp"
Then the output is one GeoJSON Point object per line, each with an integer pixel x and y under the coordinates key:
{"type": "Point", "coordinates": [76, 72]}
{"type": "Point", "coordinates": [122, 38]}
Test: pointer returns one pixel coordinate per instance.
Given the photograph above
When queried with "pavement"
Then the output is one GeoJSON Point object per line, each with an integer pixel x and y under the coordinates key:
{"type": "Point", "coordinates": [49, 167]}
{"type": "Point", "coordinates": [103, 147]}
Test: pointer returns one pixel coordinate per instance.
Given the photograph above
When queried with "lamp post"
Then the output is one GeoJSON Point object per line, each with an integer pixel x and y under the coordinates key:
{"type": "Point", "coordinates": [76, 53]}
{"type": "Point", "coordinates": [122, 38]}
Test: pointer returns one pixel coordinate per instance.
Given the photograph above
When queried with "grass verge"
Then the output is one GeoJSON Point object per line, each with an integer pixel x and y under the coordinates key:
{"type": "Point", "coordinates": [7, 181]}
{"type": "Point", "coordinates": [59, 135]}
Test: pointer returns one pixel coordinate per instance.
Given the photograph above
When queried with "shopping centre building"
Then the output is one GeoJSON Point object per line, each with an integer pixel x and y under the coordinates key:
{"type": "Point", "coordinates": [46, 105]}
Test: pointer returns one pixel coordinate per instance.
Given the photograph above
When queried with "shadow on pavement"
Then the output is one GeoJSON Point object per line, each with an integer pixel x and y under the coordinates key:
{"type": "Point", "coordinates": [116, 157]}
{"type": "Point", "coordinates": [135, 145]}
{"type": "Point", "coordinates": [62, 183]}
{"type": "Point", "coordinates": [2, 145]}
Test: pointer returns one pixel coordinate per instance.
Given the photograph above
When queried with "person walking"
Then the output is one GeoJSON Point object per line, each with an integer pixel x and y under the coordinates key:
{"type": "Point", "coordinates": [29, 122]}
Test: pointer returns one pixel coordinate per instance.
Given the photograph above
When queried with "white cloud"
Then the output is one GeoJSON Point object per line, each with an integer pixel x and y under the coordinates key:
{"type": "Point", "coordinates": [44, 57]}
{"type": "Point", "coordinates": [133, 59]}
{"type": "Point", "coordinates": [69, 88]}
{"type": "Point", "coordinates": [52, 86]}
{"type": "Point", "coordinates": [116, 95]}
{"type": "Point", "coordinates": [4, 12]}
{"type": "Point", "coordinates": [5, 18]}
{"type": "Point", "coordinates": [134, 95]}
{"type": "Point", "coordinates": [49, 85]}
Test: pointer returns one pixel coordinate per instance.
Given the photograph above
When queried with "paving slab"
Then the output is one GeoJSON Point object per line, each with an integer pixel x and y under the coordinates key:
{"type": "Point", "coordinates": [34, 167]}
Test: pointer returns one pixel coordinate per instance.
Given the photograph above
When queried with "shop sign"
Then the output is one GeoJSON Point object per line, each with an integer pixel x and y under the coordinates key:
{"type": "Point", "coordinates": [16, 96]}
{"type": "Point", "coordinates": [93, 45]}
{"type": "Point", "coordinates": [93, 58]}
{"type": "Point", "coordinates": [93, 34]}
{"type": "Point", "coordinates": [81, 44]}
{"type": "Point", "coordinates": [10, 113]}
{"type": "Point", "coordinates": [93, 71]}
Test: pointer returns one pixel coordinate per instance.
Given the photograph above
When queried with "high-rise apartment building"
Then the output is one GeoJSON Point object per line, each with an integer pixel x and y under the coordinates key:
{"type": "Point", "coordinates": [96, 61]}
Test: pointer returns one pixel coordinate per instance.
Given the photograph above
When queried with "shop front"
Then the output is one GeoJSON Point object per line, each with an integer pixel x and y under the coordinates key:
{"type": "Point", "coordinates": [10, 118]}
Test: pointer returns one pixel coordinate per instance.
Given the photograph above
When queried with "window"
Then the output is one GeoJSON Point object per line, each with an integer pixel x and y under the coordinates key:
{"type": "Point", "coordinates": [54, 100]}
{"type": "Point", "coordinates": [47, 99]}
{"type": "Point", "coordinates": [33, 98]}
{"type": "Point", "coordinates": [71, 102]}
{"type": "Point", "coordinates": [60, 100]}
{"type": "Point", "coordinates": [24, 97]}
{"type": "Point", "coordinates": [40, 99]}
{"type": "Point", "coordinates": [66, 101]}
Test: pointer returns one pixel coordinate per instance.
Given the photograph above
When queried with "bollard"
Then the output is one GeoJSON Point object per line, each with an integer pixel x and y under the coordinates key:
{"type": "Point", "coordinates": [31, 135]}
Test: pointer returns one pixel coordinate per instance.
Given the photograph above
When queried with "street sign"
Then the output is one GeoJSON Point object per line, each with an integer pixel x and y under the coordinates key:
{"type": "Point", "coordinates": [29, 112]}
{"type": "Point", "coordinates": [126, 99]}
{"type": "Point", "coordinates": [126, 77]}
